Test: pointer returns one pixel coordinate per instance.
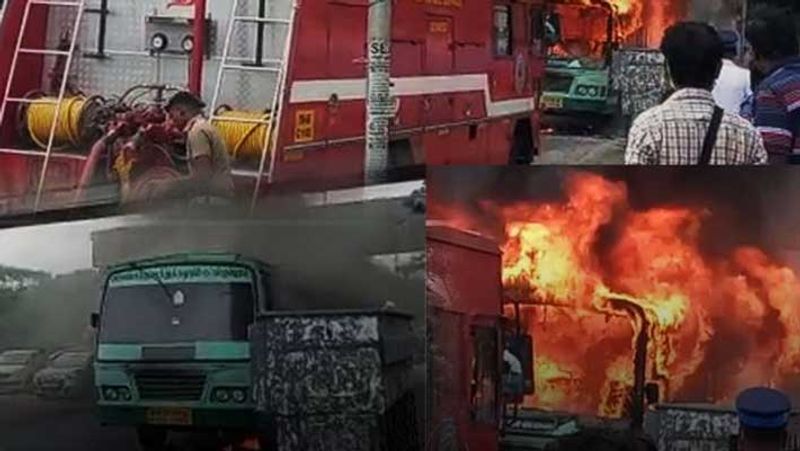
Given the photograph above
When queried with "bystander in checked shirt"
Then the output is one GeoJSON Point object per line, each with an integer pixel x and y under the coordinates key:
{"type": "Point", "coordinates": [673, 134]}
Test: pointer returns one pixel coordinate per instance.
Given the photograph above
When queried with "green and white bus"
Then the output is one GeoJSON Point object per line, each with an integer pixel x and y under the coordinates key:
{"type": "Point", "coordinates": [172, 349]}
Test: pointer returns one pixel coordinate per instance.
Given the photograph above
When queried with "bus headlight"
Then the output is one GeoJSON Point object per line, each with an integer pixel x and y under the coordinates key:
{"type": "Point", "coordinates": [221, 395]}
{"type": "Point", "coordinates": [111, 393]}
{"type": "Point", "coordinates": [239, 395]}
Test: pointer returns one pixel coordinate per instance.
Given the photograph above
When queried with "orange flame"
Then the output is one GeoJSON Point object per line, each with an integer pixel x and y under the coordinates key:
{"type": "Point", "coordinates": [636, 23]}
{"type": "Point", "coordinates": [714, 325]}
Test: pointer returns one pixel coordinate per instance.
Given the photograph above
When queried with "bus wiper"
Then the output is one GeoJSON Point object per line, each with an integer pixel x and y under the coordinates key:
{"type": "Point", "coordinates": [158, 280]}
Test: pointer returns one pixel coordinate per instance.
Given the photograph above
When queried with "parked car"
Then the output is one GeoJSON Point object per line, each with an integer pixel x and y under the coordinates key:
{"type": "Point", "coordinates": [68, 374]}
{"type": "Point", "coordinates": [17, 367]}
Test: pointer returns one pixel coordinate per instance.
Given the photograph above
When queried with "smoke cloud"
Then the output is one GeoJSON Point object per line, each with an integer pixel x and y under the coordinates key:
{"type": "Point", "coordinates": [323, 256]}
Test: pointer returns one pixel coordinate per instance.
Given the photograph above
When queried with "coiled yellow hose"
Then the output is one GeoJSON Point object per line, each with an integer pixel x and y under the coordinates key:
{"type": "Point", "coordinates": [39, 119]}
{"type": "Point", "coordinates": [242, 138]}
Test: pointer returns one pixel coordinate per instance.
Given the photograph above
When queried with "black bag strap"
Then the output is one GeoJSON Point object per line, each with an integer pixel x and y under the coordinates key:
{"type": "Point", "coordinates": [711, 136]}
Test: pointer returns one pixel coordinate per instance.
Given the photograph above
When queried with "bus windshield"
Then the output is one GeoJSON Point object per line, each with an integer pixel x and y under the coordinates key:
{"type": "Point", "coordinates": [178, 304]}
{"type": "Point", "coordinates": [585, 33]}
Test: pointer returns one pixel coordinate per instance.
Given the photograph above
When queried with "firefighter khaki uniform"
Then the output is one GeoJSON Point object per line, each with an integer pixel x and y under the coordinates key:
{"type": "Point", "coordinates": [204, 140]}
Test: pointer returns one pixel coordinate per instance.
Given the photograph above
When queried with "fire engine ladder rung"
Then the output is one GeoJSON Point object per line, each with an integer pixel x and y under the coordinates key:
{"type": "Point", "coordinates": [267, 20]}
{"type": "Point", "coordinates": [30, 100]}
{"type": "Point", "coordinates": [55, 3]}
{"type": "Point", "coordinates": [44, 52]}
{"type": "Point", "coordinates": [242, 120]}
{"type": "Point", "coordinates": [251, 68]}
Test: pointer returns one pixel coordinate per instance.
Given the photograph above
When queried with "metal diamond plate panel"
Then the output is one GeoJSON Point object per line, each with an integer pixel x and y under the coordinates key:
{"type": "Point", "coordinates": [129, 62]}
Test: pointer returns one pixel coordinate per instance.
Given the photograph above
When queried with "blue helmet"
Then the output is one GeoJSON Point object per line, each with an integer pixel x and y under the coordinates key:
{"type": "Point", "coordinates": [763, 408]}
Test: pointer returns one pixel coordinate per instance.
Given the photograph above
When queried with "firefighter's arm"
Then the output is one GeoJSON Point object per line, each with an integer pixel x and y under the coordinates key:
{"type": "Point", "coordinates": [199, 149]}
{"type": "Point", "coordinates": [200, 168]}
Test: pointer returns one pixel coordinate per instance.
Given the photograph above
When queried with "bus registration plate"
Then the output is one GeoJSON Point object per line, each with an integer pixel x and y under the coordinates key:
{"type": "Point", "coordinates": [169, 416]}
{"type": "Point", "coordinates": [552, 103]}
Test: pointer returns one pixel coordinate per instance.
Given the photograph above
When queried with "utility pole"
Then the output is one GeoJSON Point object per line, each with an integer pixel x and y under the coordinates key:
{"type": "Point", "coordinates": [380, 107]}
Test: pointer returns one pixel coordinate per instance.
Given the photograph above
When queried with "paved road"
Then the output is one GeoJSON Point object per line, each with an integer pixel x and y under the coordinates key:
{"type": "Point", "coordinates": [581, 150]}
{"type": "Point", "coordinates": [29, 424]}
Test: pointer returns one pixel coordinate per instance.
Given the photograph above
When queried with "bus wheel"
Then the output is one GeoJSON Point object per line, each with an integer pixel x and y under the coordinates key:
{"type": "Point", "coordinates": [151, 438]}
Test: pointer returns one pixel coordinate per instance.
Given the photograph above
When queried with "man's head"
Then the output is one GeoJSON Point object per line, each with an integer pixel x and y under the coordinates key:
{"type": "Point", "coordinates": [763, 416]}
{"type": "Point", "coordinates": [694, 55]}
{"type": "Point", "coordinates": [772, 33]}
{"type": "Point", "coordinates": [730, 44]}
{"type": "Point", "coordinates": [183, 107]}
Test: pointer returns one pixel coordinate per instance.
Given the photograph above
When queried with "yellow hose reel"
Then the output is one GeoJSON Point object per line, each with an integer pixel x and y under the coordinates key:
{"type": "Point", "coordinates": [243, 139]}
{"type": "Point", "coordinates": [75, 127]}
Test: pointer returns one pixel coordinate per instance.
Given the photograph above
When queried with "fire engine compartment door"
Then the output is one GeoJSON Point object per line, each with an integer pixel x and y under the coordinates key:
{"type": "Point", "coordinates": [439, 46]}
{"type": "Point", "coordinates": [346, 31]}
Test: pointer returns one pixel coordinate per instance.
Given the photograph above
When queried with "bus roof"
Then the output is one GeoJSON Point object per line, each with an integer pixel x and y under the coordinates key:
{"type": "Point", "coordinates": [190, 257]}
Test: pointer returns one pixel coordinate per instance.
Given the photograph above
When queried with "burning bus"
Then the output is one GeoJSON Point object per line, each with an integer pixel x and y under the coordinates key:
{"type": "Point", "coordinates": [583, 37]}
{"type": "Point", "coordinates": [651, 303]}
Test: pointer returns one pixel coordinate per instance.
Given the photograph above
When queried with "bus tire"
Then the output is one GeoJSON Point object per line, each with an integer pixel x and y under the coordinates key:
{"type": "Point", "coordinates": [522, 152]}
{"type": "Point", "coordinates": [151, 438]}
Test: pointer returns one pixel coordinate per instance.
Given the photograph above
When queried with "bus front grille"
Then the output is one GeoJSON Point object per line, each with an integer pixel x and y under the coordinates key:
{"type": "Point", "coordinates": [170, 385]}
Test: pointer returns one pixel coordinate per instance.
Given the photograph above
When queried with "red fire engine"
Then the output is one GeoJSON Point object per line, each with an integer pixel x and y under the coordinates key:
{"type": "Point", "coordinates": [470, 340]}
{"type": "Point", "coordinates": [285, 80]}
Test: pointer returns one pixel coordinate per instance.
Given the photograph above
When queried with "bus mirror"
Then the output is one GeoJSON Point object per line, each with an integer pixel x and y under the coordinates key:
{"type": "Point", "coordinates": [652, 393]}
{"type": "Point", "coordinates": [552, 29]}
{"type": "Point", "coordinates": [94, 320]}
{"type": "Point", "coordinates": [518, 365]}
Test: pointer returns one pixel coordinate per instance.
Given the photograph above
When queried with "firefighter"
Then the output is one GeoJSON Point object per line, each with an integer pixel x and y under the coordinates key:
{"type": "Point", "coordinates": [513, 378]}
{"type": "Point", "coordinates": [209, 177]}
{"type": "Point", "coordinates": [763, 418]}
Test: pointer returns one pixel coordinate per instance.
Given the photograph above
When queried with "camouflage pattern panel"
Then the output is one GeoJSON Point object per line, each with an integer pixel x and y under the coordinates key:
{"type": "Point", "coordinates": [640, 76]}
{"type": "Point", "coordinates": [326, 379]}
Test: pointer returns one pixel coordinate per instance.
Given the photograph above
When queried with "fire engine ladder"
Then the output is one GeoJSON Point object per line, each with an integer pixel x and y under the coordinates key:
{"type": "Point", "coordinates": [277, 66]}
{"type": "Point", "coordinates": [80, 6]}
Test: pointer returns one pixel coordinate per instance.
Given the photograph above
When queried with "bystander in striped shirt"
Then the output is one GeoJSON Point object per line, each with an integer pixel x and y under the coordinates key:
{"type": "Point", "coordinates": [777, 112]}
{"type": "Point", "coordinates": [673, 134]}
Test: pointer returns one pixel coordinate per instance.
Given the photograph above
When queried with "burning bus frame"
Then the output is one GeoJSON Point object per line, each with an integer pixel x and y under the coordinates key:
{"type": "Point", "coordinates": [524, 425]}
{"type": "Point", "coordinates": [672, 426]}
